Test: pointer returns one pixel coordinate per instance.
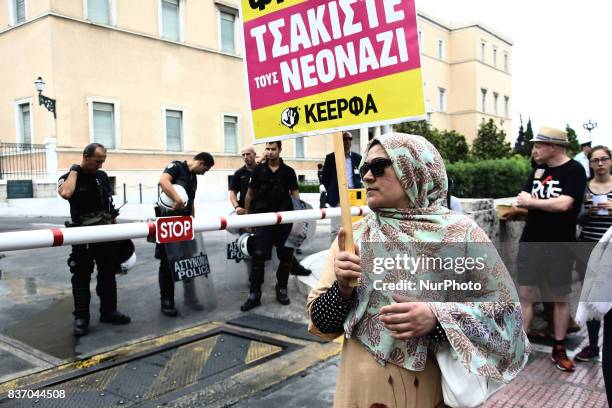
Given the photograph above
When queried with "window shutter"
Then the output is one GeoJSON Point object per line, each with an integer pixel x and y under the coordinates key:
{"type": "Point", "coordinates": [104, 124]}
{"type": "Point", "coordinates": [170, 19]}
{"type": "Point", "coordinates": [299, 148]}
{"type": "Point", "coordinates": [20, 11]}
{"type": "Point", "coordinates": [26, 130]}
{"type": "Point", "coordinates": [230, 134]}
{"type": "Point", "coordinates": [98, 11]}
{"type": "Point", "coordinates": [174, 126]}
{"type": "Point", "coordinates": [227, 32]}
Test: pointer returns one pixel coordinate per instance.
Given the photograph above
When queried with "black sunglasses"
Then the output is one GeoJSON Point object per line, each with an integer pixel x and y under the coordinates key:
{"type": "Point", "coordinates": [377, 166]}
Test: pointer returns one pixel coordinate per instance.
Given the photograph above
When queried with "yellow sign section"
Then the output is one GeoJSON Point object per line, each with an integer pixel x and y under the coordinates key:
{"type": "Point", "coordinates": [379, 100]}
{"type": "Point", "coordinates": [252, 9]}
{"type": "Point", "coordinates": [357, 198]}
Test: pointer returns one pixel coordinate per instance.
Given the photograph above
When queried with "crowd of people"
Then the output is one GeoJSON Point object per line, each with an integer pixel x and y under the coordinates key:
{"type": "Point", "coordinates": [390, 337]}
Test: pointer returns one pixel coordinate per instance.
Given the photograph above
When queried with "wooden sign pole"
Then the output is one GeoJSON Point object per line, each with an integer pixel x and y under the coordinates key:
{"type": "Point", "coordinates": [343, 191]}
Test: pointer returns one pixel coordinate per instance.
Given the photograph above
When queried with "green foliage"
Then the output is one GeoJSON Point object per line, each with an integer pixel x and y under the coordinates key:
{"type": "Point", "coordinates": [529, 133]}
{"type": "Point", "coordinates": [490, 143]}
{"type": "Point", "coordinates": [574, 147]}
{"type": "Point", "coordinates": [522, 146]}
{"type": "Point", "coordinates": [451, 144]}
{"type": "Point", "coordinates": [489, 178]}
{"type": "Point", "coordinates": [308, 187]}
{"type": "Point", "coordinates": [453, 147]}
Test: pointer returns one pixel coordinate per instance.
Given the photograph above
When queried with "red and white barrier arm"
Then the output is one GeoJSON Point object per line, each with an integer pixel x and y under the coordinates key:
{"type": "Point", "coordinates": [11, 241]}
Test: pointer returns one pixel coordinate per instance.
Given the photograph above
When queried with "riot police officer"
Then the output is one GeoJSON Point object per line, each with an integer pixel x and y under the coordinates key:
{"type": "Point", "coordinates": [271, 188]}
{"type": "Point", "coordinates": [88, 190]}
{"type": "Point", "coordinates": [183, 173]}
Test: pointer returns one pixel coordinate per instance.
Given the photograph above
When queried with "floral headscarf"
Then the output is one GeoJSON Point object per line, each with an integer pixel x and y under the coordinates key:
{"type": "Point", "coordinates": [488, 336]}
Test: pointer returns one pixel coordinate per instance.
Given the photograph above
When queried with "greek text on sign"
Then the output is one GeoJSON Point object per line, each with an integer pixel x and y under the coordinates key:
{"type": "Point", "coordinates": [315, 66]}
{"type": "Point", "coordinates": [173, 229]}
{"type": "Point", "coordinates": [191, 267]}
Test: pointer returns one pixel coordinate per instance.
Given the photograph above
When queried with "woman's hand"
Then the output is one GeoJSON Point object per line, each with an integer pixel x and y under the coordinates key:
{"type": "Point", "coordinates": [347, 266]}
{"type": "Point", "coordinates": [407, 318]}
{"type": "Point", "coordinates": [607, 205]}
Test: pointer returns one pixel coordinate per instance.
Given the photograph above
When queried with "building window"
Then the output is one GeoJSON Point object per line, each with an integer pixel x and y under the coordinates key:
{"type": "Point", "coordinates": [441, 49]}
{"type": "Point", "coordinates": [174, 130]}
{"type": "Point", "coordinates": [227, 28]}
{"type": "Point", "coordinates": [171, 19]}
{"type": "Point", "coordinates": [17, 11]}
{"type": "Point", "coordinates": [442, 99]}
{"type": "Point", "coordinates": [24, 122]}
{"type": "Point", "coordinates": [494, 56]}
{"type": "Point", "coordinates": [484, 100]}
{"type": "Point", "coordinates": [506, 58]}
{"type": "Point", "coordinates": [495, 99]}
{"type": "Point", "coordinates": [103, 115]}
{"type": "Point", "coordinates": [299, 148]}
{"type": "Point", "coordinates": [421, 40]}
{"type": "Point", "coordinates": [483, 51]}
{"type": "Point", "coordinates": [507, 106]}
{"type": "Point", "coordinates": [98, 11]}
{"type": "Point", "coordinates": [230, 134]}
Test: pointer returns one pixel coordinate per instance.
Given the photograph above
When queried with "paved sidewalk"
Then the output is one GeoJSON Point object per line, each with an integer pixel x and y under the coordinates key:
{"type": "Point", "coordinates": [539, 385]}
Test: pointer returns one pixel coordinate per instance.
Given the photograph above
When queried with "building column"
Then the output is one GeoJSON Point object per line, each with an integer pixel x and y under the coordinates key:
{"type": "Point", "coordinates": [363, 139]}
{"type": "Point", "coordinates": [51, 157]}
{"type": "Point", "coordinates": [387, 129]}
{"type": "Point", "coordinates": [377, 131]}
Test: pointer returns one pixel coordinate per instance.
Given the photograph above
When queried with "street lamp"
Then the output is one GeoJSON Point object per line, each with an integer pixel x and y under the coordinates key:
{"type": "Point", "coordinates": [590, 126]}
{"type": "Point", "coordinates": [42, 99]}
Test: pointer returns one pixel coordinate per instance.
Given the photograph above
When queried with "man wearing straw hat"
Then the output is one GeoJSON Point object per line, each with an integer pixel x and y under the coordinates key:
{"type": "Point", "coordinates": [553, 197]}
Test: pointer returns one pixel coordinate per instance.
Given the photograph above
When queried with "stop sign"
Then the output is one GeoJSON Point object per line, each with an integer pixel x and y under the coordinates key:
{"type": "Point", "coordinates": [173, 229]}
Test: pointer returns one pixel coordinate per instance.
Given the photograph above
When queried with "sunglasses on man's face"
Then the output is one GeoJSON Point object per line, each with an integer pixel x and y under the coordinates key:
{"type": "Point", "coordinates": [377, 166]}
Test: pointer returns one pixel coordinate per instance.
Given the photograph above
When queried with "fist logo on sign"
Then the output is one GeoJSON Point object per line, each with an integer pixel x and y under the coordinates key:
{"type": "Point", "coordinates": [261, 4]}
{"type": "Point", "coordinates": [290, 117]}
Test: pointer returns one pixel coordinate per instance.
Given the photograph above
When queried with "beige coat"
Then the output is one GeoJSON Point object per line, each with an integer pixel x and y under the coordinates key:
{"type": "Point", "coordinates": [362, 381]}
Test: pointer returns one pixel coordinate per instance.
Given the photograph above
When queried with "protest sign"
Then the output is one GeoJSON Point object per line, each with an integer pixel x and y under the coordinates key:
{"type": "Point", "coordinates": [316, 66]}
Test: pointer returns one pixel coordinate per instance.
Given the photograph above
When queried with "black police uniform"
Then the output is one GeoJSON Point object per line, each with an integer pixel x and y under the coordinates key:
{"type": "Point", "coordinates": [272, 194]}
{"type": "Point", "coordinates": [180, 175]}
{"type": "Point", "coordinates": [240, 183]}
{"type": "Point", "coordinates": [92, 204]}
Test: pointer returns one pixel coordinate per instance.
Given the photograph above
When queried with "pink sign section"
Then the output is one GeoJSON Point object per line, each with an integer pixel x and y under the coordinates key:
{"type": "Point", "coordinates": [318, 46]}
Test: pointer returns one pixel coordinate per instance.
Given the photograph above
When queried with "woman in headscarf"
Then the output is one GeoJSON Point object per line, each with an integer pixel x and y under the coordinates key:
{"type": "Point", "coordinates": [391, 335]}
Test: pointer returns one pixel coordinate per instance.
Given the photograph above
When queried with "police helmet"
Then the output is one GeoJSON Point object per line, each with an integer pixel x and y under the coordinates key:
{"type": "Point", "coordinates": [126, 254]}
{"type": "Point", "coordinates": [167, 203]}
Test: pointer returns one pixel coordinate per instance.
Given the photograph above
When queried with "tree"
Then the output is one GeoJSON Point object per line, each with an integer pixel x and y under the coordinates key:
{"type": "Point", "coordinates": [451, 144]}
{"type": "Point", "coordinates": [490, 143]}
{"type": "Point", "coordinates": [522, 145]}
{"type": "Point", "coordinates": [421, 128]}
{"type": "Point", "coordinates": [529, 134]}
{"type": "Point", "coordinates": [574, 147]}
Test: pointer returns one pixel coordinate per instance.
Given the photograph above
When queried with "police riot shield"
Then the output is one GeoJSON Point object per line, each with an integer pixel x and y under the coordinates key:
{"type": "Point", "coordinates": [189, 263]}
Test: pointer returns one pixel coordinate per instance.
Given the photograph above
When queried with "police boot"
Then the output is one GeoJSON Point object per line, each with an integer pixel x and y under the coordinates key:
{"type": "Point", "coordinates": [190, 298]}
{"type": "Point", "coordinates": [298, 270]}
{"type": "Point", "coordinates": [81, 298]}
{"type": "Point", "coordinates": [167, 308]}
{"type": "Point", "coordinates": [252, 301]}
{"type": "Point", "coordinates": [282, 296]}
{"type": "Point", "coordinates": [115, 318]}
{"type": "Point", "coordinates": [81, 327]}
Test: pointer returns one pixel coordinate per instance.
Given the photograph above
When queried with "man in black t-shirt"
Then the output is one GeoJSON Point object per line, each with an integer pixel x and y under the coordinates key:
{"type": "Point", "coordinates": [88, 190]}
{"type": "Point", "coordinates": [238, 188]}
{"type": "Point", "coordinates": [553, 196]}
{"type": "Point", "coordinates": [271, 188]}
{"type": "Point", "coordinates": [185, 174]}
{"type": "Point", "coordinates": [240, 181]}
